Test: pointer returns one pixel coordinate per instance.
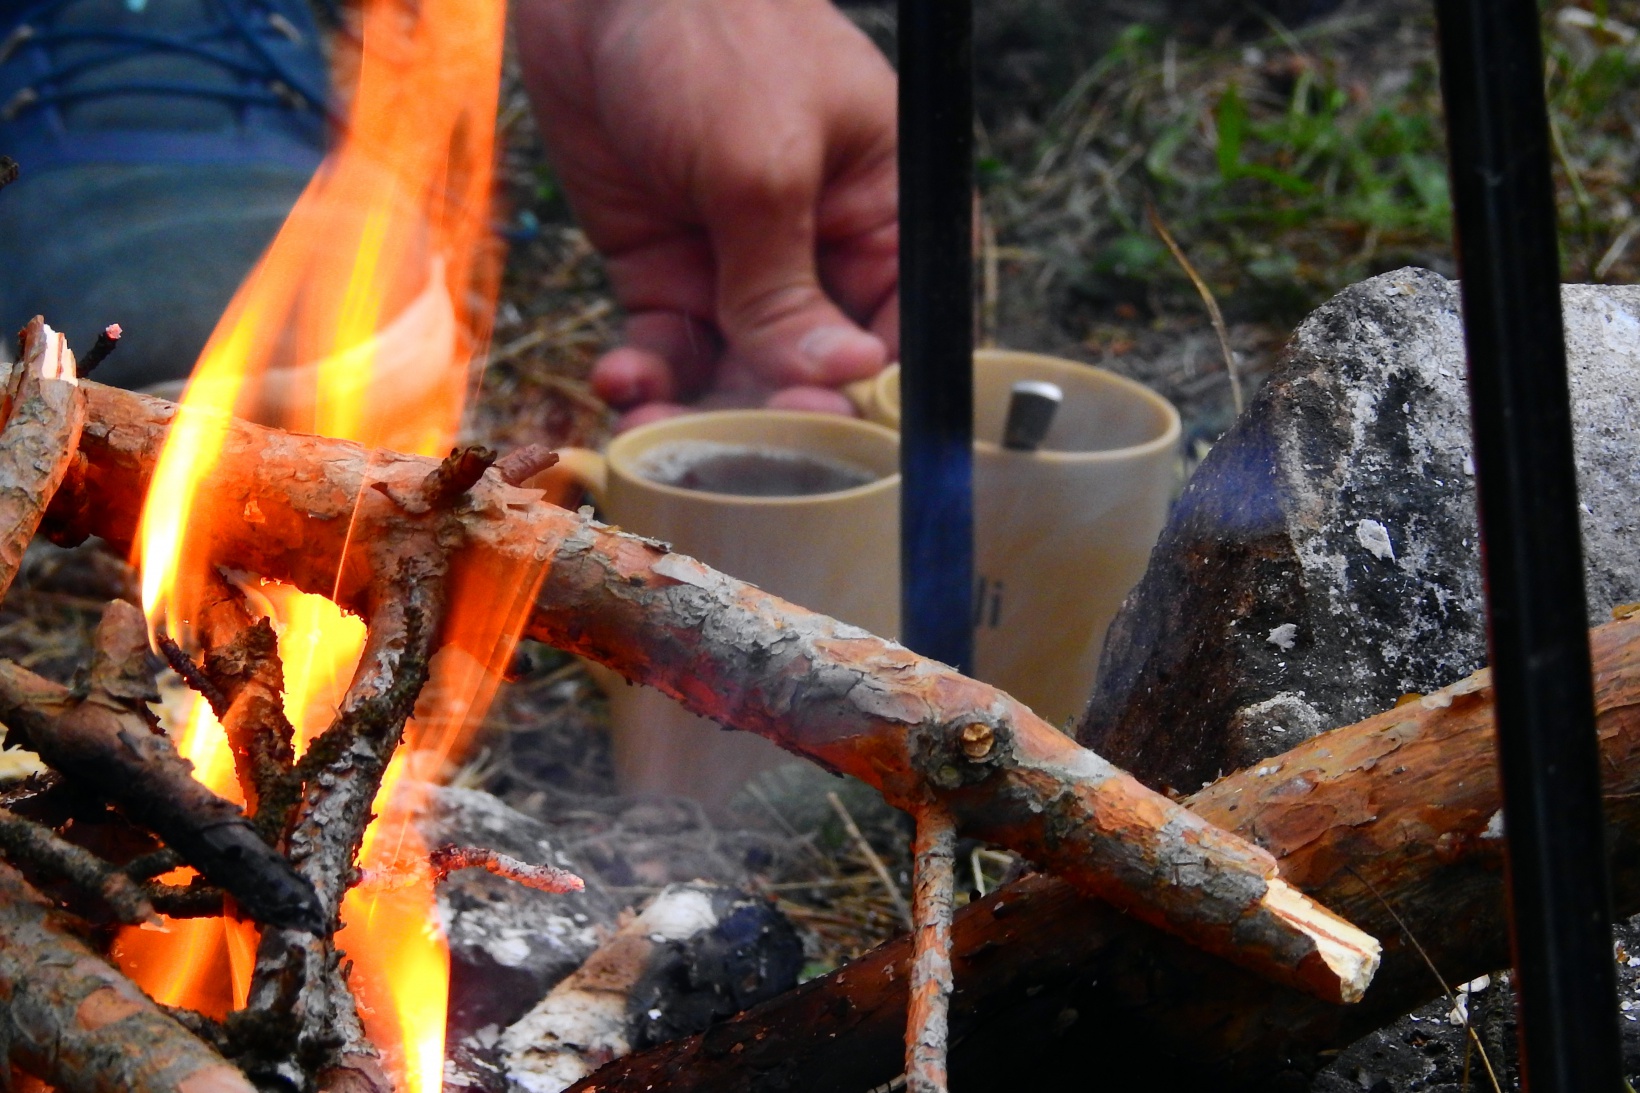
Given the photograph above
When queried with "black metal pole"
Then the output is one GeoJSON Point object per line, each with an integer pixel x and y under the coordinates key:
{"type": "Point", "coordinates": [937, 328]}
{"type": "Point", "coordinates": [1498, 132]}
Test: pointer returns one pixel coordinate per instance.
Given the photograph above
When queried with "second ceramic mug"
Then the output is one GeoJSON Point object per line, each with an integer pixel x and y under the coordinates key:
{"type": "Point", "coordinates": [1061, 534]}
{"type": "Point", "coordinates": [836, 552]}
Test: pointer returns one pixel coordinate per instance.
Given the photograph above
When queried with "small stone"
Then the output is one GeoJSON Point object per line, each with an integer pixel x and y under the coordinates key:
{"type": "Point", "coordinates": [1375, 537]}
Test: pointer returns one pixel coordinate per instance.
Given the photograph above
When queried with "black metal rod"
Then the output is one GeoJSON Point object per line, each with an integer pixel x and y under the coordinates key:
{"type": "Point", "coordinates": [1497, 123]}
{"type": "Point", "coordinates": [937, 328]}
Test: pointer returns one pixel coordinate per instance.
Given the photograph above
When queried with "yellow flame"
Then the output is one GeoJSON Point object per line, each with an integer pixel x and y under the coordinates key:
{"type": "Point", "coordinates": [359, 323]}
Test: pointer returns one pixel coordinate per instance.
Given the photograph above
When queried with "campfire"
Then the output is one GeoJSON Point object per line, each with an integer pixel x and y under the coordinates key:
{"type": "Point", "coordinates": [236, 896]}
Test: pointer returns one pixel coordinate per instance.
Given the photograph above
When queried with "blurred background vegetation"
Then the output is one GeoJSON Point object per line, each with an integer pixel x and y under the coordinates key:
{"type": "Point", "coordinates": [1291, 148]}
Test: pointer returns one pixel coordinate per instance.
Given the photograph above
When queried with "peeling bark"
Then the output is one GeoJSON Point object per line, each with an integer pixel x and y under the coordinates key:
{"type": "Point", "coordinates": [43, 414]}
{"type": "Point", "coordinates": [1406, 802]}
{"type": "Point", "coordinates": [298, 508]}
{"type": "Point", "coordinates": [70, 1019]}
{"type": "Point", "coordinates": [933, 889]}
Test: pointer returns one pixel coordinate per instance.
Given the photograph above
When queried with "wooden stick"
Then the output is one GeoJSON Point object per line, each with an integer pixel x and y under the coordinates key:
{"type": "Point", "coordinates": [106, 744]}
{"type": "Point", "coordinates": [43, 414]}
{"type": "Point", "coordinates": [70, 1019]}
{"type": "Point", "coordinates": [319, 509]}
{"type": "Point", "coordinates": [933, 890]}
{"type": "Point", "coordinates": [299, 974]}
{"type": "Point", "coordinates": [1405, 803]}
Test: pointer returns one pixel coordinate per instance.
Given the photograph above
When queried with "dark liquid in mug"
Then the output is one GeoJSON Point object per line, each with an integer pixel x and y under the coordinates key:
{"type": "Point", "coordinates": [749, 470]}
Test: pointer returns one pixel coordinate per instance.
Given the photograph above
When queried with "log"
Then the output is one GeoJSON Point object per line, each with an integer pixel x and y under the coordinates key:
{"type": "Point", "coordinates": [43, 414]}
{"type": "Point", "coordinates": [105, 743]}
{"type": "Point", "coordinates": [1403, 806]}
{"type": "Point", "coordinates": [71, 1019]}
{"type": "Point", "coordinates": [321, 513]}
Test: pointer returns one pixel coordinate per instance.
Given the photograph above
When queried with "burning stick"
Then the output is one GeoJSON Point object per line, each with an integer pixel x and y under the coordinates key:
{"type": "Point", "coordinates": [105, 743]}
{"type": "Point", "coordinates": [77, 1023]}
{"type": "Point", "coordinates": [43, 411]}
{"type": "Point", "coordinates": [933, 889]}
{"type": "Point", "coordinates": [543, 878]}
{"type": "Point", "coordinates": [333, 518]}
{"type": "Point", "coordinates": [106, 343]}
{"type": "Point", "coordinates": [243, 670]}
{"type": "Point", "coordinates": [341, 773]}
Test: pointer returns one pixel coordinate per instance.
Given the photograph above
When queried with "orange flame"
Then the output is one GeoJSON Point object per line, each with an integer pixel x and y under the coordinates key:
{"type": "Point", "coordinates": [360, 322]}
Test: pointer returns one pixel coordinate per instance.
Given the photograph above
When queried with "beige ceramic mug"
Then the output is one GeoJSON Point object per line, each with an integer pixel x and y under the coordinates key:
{"type": "Point", "coordinates": [1061, 533]}
{"type": "Point", "coordinates": [835, 551]}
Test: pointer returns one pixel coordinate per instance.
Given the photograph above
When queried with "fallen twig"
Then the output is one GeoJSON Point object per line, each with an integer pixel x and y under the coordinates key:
{"type": "Point", "coordinates": [863, 845]}
{"type": "Point", "coordinates": [42, 413]}
{"type": "Point", "coordinates": [1209, 301]}
{"type": "Point", "coordinates": [543, 878]}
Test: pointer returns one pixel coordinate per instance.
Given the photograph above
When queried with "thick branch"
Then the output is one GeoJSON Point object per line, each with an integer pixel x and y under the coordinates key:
{"type": "Point", "coordinates": [1406, 801]}
{"type": "Point", "coordinates": [851, 701]}
{"type": "Point", "coordinates": [105, 744]}
{"type": "Point", "coordinates": [43, 413]}
{"type": "Point", "coordinates": [74, 1021]}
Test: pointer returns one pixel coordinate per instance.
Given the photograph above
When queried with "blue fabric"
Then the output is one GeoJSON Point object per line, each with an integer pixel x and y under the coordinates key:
{"type": "Point", "coordinates": [161, 81]}
{"type": "Point", "coordinates": [161, 145]}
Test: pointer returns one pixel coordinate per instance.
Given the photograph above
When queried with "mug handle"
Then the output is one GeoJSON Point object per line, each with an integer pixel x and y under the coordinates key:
{"type": "Point", "coordinates": [577, 470]}
{"type": "Point", "coordinates": [869, 403]}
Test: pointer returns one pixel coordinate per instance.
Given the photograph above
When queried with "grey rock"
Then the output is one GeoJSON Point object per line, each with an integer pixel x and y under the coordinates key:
{"type": "Point", "coordinates": [1323, 561]}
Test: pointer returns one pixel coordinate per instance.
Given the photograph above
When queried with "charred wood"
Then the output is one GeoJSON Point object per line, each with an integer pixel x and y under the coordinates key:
{"type": "Point", "coordinates": [37, 849]}
{"type": "Point", "coordinates": [296, 972]}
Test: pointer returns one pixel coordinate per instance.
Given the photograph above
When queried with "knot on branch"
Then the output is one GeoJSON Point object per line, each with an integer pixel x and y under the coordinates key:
{"type": "Point", "coordinates": [964, 750]}
{"type": "Point", "coordinates": [458, 473]}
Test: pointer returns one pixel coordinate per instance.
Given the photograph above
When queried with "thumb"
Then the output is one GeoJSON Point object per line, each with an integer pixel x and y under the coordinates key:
{"type": "Point", "coordinates": [781, 328]}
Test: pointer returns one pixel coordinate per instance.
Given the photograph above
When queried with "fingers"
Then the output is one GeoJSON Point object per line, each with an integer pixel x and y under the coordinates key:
{"type": "Point", "coordinates": [779, 323]}
{"type": "Point", "coordinates": [667, 356]}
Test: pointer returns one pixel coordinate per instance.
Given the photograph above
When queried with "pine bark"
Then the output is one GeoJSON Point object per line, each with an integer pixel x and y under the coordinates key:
{"type": "Point", "coordinates": [324, 514]}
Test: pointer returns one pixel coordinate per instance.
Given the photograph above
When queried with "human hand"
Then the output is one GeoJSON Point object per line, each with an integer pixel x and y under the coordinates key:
{"type": "Point", "coordinates": [734, 160]}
